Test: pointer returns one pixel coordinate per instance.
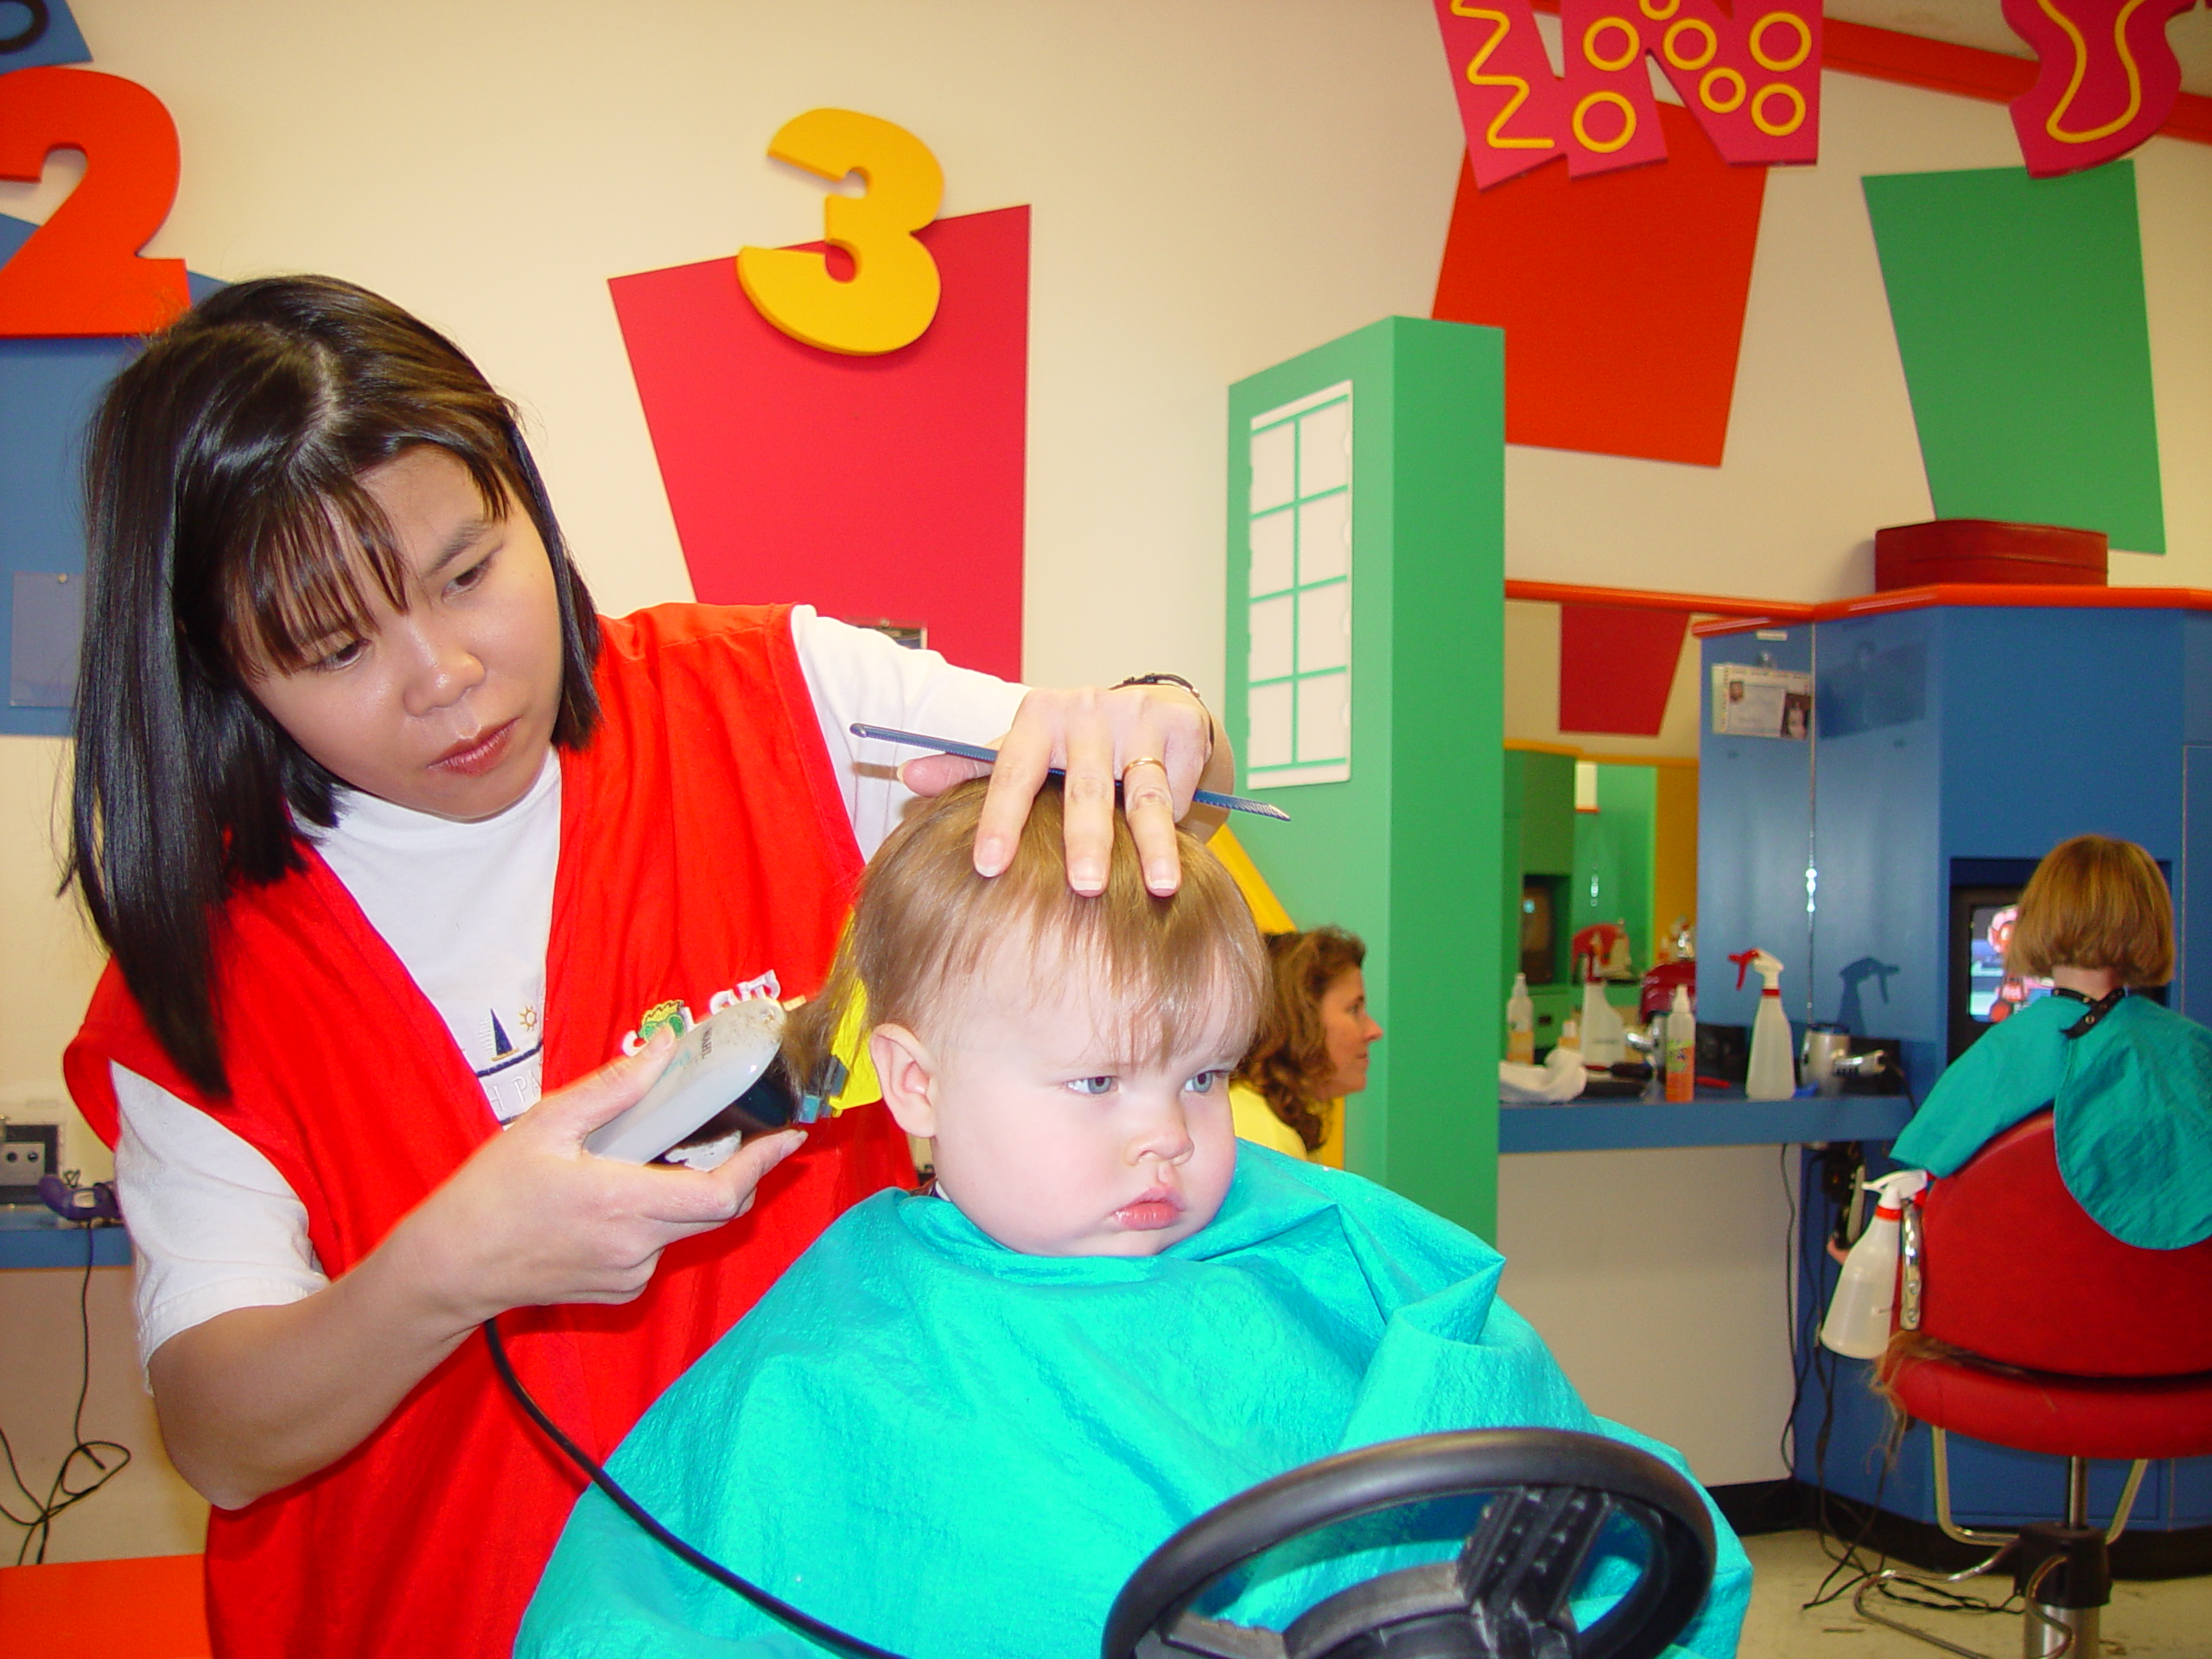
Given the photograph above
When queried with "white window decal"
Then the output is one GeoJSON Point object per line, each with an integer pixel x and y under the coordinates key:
{"type": "Point", "coordinates": [1299, 674]}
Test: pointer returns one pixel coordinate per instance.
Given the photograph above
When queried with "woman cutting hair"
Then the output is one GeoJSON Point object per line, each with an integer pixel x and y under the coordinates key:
{"type": "Point", "coordinates": [1311, 1049]}
{"type": "Point", "coordinates": [395, 844]}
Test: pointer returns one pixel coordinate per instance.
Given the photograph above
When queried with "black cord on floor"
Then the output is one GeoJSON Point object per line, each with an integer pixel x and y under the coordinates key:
{"type": "Point", "coordinates": [804, 1623]}
{"type": "Point", "coordinates": [60, 1495]}
{"type": "Point", "coordinates": [1813, 1362]}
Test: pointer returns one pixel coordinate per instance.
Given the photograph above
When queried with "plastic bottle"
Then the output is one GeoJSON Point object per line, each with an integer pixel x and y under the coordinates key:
{"type": "Point", "coordinates": [1858, 1325]}
{"type": "Point", "coordinates": [1570, 1035]}
{"type": "Point", "coordinates": [1655, 1047]}
{"type": "Point", "coordinates": [1605, 1039]}
{"type": "Point", "coordinates": [1773, 1072]}
{"type": "Point", "coordinates": [1520, 1023]}
{"type": "Point", "coordinates": [1681, 1048]}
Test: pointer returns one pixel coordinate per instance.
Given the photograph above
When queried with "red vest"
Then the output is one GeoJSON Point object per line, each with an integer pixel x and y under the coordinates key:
{"type": "Point", "coordinates": [704, 843]}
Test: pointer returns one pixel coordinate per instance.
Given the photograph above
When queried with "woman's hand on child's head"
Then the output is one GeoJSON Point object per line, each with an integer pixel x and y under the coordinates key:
{"type": "Point", "coordinates": [533, 1219]}
{"type": "Point", "coordinates": [1157, 742]}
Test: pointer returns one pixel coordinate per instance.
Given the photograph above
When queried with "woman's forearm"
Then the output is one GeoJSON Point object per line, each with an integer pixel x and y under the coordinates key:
{"type": "Point", "coordinates": [256, 1398]}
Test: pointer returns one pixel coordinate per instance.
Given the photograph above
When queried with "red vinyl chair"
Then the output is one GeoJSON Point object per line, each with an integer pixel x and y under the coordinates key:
{"type": "Point", "coordinates": [2072, 1344]}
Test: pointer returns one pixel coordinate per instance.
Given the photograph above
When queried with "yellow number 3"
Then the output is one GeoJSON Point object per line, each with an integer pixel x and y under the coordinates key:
{"type": "Point", "coordinates": [892, 293]}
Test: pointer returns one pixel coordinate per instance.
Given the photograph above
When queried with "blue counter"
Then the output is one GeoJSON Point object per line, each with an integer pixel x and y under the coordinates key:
{"type": "Point", "coordinates": [1610, 1125]}
{"type": "Point", "coordinates": [34, 1237]}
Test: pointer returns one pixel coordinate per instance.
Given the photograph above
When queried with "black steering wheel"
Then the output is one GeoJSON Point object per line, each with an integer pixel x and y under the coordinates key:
{"type": "Point", "coordinates": [1504, 1595]}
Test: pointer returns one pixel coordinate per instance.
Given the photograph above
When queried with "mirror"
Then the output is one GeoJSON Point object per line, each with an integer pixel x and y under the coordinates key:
{"type": "Point", "coordinates": [1604, 714]}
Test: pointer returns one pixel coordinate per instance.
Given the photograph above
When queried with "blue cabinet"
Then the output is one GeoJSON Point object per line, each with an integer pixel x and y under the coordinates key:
{"type": "Point", "coordinates": [1952, 746]}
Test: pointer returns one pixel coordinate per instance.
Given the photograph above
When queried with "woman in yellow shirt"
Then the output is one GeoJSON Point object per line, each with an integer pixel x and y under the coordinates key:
{"type": "Point", "coordinates": [1312, 1050]}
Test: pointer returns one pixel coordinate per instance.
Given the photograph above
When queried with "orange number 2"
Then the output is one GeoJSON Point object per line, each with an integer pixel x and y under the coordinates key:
{"type": "Point", "coordinates": [81, 273]}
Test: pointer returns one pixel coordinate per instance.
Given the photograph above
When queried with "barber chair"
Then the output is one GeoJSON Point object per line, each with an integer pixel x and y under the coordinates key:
{"type": "Point", "coordinates": [2071, 1343]}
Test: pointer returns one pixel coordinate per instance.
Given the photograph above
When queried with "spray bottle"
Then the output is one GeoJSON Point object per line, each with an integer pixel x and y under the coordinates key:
{"type": "Point", "coordinates": [1681, 1048]}
{"type": "Point", "coordinates": [1605, 1039]}
{"type": "Point", "coordinates": [1521, 1024]}
{"type": "Point", "coordinates": [1773, 1073]}
{"type": "Point", "coordinates": [1858, 1325]}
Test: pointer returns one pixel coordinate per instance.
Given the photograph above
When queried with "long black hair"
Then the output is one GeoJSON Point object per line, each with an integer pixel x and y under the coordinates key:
{"type": "Point", "coordinates": [227, 525]}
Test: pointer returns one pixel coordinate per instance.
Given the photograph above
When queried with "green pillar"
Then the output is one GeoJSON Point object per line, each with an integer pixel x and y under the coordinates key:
{"type": "Point", "coordinates": [1365, 650]}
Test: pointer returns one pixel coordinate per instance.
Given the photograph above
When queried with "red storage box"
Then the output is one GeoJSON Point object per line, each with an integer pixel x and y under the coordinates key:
{"type": "Point", "coordinates": [1987, 550]}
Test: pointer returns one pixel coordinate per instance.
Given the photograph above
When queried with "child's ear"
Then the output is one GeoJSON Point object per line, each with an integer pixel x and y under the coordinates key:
{"type": "Point", "coordinates": [908, 1074]}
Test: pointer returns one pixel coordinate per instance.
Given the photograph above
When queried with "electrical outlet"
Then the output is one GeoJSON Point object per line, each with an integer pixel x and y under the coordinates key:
{"type": "Point", "coordinates": [26, 1152]}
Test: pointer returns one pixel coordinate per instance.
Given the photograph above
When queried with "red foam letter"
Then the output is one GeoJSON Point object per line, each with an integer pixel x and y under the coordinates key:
{"type": "Point", "coordinates": [2104, 79]}
{"type": "Point", "coordinates": [1510, 101]}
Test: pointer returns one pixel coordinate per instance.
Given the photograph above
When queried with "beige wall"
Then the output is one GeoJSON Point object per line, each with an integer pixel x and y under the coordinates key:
{"type": "Point", "coordinates": [1216, 188]}
{"type": "Point", "coordinates": [147, 1510]}
{"type": "Point", "coordinates": [1658, 1278]}
{"type": "Point", "coordinates": [1532, 691]}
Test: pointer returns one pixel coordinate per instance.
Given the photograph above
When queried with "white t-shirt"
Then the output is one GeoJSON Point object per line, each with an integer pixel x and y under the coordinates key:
{"type": "Point", "coordinates": [467, 908]}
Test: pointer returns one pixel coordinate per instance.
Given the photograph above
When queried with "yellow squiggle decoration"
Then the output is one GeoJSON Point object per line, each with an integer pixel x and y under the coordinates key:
{"type": "Point", "coordinates": [2082, 69]}
{"type": "Point", "coordinates": [1475, 77]}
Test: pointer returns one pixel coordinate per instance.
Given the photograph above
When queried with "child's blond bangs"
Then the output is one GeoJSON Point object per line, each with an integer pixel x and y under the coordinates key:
{"type": "Point", "coordinates": [1167, 974]}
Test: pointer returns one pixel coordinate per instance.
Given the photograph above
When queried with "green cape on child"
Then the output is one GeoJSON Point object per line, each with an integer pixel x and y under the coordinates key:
{"type": "Point", "coordinates": [946, 1447]}
{"type": "Point", "coordinates": [2134, 1117]}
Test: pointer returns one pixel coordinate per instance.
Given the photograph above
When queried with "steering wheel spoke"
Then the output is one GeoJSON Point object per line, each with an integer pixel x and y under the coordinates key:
{"type": "Point", "coordinates": [1521, 1562]}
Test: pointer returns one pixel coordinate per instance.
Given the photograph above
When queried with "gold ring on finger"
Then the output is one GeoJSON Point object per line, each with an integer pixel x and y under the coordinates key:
{"type": "Point", "coordinates": [1141, 760]}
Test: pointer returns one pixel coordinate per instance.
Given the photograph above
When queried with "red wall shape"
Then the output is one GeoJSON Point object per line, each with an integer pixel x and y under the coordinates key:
{"type": "Point", "coordinates": [1616, 667]}
{"type": "Point", "coordinates": [1622, 297]}
{"type": "Point", "coordinates": [867, 487]}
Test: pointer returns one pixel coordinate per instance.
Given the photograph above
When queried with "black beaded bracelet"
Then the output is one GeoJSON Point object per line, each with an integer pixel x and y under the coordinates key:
{"type": "Point", "coordinates": [1158, 679]}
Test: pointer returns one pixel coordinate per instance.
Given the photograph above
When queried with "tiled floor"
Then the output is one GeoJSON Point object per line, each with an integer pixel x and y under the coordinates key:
{"type": "Point", "coordinates": [2167, 1620]}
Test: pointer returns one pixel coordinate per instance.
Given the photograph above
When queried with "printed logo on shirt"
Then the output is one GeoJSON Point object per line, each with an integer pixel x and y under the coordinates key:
{"type": "Point", "coordinates": [677, 1018]}
{"type": "Point", "coordinates": [515, 1077]}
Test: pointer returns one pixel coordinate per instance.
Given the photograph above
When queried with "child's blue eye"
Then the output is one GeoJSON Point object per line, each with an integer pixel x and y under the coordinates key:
{"type": "Point", "coordinates": [1092, 1086]}
{"type": "Point", "coordinates": [1207, 1083]}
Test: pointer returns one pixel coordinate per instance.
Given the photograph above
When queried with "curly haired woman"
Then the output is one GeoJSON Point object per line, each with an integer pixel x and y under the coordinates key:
{"type": "Point", "coordinates": [1313, 1045]}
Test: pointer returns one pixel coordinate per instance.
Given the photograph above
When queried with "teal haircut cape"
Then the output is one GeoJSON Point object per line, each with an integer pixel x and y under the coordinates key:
{"type": "Point", "coordinates": [2133, 1117]}
{"type": "Point", "coordinates": [951, 1449]}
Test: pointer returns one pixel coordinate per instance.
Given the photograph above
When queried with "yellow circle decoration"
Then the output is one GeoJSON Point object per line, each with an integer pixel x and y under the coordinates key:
{"type": "Point", "coordinates": [1782, 66]}
{"type": "Point", "coordinates": [1605, 147]}
{"type": "Point", "coordinates": [1705, 90]}
{"type": "Point", "coordinates": [1777, 129]}
{"type": "Point", "coordinates": [1712, 43]}
{"type": "Point", "coordinates": [1630, 53]}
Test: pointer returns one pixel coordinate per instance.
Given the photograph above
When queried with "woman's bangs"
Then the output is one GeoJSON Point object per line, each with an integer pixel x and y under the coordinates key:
{"type": "Point", "coordinates": [303, 586]}
{"type": "Point", "coordinates": [317, 560]}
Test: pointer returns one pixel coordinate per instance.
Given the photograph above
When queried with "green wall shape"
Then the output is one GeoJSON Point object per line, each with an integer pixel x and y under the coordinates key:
{"type": "Point", "coordinates": [1612, 857]}
{"type": "Point", "coordinates": [2018, 309]}
{"type": "Point", "coordinates": [1538, 797]}
{"type": "Point", "coordinates": [1405, 850]}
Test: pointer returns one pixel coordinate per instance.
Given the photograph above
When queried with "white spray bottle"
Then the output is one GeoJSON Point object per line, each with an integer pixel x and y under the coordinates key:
{"type": "Point", "coordinates": [1773, 1072]}
{"type": "Point", "coordinates": [1858, 1325]}
{"type": "Point", "coordinates": [1605, 1039]}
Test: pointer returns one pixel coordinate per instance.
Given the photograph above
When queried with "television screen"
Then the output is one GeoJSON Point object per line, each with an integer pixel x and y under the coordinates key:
{"type": "Point", "coordinates": [1992, 993]}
